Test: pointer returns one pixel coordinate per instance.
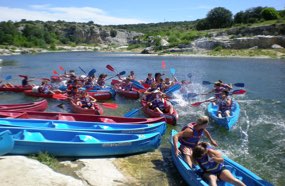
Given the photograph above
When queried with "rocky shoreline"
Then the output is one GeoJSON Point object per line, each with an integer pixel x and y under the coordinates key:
{"type": "Point", "coordinates": [23, 171]}
{"type": "Point", "coordinates": [278, 53]}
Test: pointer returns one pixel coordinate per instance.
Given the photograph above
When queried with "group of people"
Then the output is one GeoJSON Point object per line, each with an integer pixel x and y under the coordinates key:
{"type": "Point", "coordinates": [201, 153]}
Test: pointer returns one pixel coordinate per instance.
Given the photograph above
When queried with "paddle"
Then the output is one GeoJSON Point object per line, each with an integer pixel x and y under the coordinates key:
{"type": "Point", "coordinates": [235, 84]}
{"type": "Point", "coordinates": [163, 65]}
{"type": "Point", "coordinates": [91, 72]}
{"type": "Point", "coordinates": [170, 90]}
{"type": "Point", "coordinates": [189, 75]}
{"type": "Point", "coordinates": [235, 92]}
{"type": "Point", "coordinates": [82, 70]}
{"type": "Point", "coordinates": [61, 68]}
{"type": "Point", "coordinates": [8, 77]}
{"type": "Point", "coordinates": [196, 104]}
{"type": "Point", "coordinates": [137, 84]}
{"type": "Point", "coordinates": [109, 67]}
{"type": "Point", "coordinates": [55, 72]}
{"type": "Point", "coordinates": [172, 71]}
{"type": "Point", "coordinates": [120, 74]}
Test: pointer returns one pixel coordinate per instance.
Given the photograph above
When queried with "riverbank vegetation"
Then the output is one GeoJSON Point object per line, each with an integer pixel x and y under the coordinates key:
{"type": "Point", "coordinates": [51, 35]}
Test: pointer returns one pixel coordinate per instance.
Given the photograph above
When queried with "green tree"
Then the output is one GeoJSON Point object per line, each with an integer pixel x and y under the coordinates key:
{"type": "Point", "coordinates": [219, 17]}
{"type": "Point", "coordinates": [269, 13]}
{"type": "Point", "coordinates": [113, 33]}
{"type": "Point", "coordinates": [238, 18]}
{"type": "Point", "coordinates": [202, 24]}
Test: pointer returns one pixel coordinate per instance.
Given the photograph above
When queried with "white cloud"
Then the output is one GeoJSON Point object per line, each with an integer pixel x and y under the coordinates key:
{"type": "Point", "coordinates": [72, 14]}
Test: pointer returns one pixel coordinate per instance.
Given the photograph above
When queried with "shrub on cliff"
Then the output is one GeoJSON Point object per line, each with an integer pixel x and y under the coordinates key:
{"type": "Point", "coordinates": [269, 13]}
{"type": "Point", "coordinates": [219, 17]}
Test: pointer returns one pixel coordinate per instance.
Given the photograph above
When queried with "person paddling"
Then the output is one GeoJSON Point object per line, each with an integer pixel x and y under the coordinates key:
{"type": "Point", "coordinates": [189, 137]}
{"type": "Point", "coordinates": [224, 104]}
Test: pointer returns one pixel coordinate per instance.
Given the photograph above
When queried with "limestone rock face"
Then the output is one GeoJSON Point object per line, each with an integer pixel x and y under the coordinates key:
{"type": "Point", "coordinates": [22, 171]}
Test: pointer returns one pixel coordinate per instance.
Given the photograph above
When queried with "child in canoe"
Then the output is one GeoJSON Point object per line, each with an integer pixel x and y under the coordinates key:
{"type": "Point", "coordinates": [86, 101]}
{"type": "Point", "coordinates": [211, 162]}
{"type": "Point", "coordinates": [225, 105]}
{"type": "Point", "coordinates": [189, 137]}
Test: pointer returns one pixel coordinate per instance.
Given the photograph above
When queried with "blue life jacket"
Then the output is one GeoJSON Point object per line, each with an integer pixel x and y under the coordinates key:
{"type": "Point", "coordinates": [192, 141]}
{"type": "Point", "coordinates": [209, 165]}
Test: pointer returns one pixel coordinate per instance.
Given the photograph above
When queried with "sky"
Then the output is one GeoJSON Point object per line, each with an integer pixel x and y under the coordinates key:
{"type": "Point", "coordinates": [116, 12]}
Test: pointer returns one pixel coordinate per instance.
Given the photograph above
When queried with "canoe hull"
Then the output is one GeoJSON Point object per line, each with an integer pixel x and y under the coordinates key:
{"type": "Point", "coordinates": [227, 122]}
{"type": "Point", "coordinates": [37, 94]}
{"type": "Point", "coordinates": [34, 106]}
{"type": "Point", "coordinates": [159, 127]}
{"type": "Point", "coordinates": [77, 117]}
{"type": "Point", "coordinates": [128, 94]}
{"type": "Point", "coordinates": [16, 88]}
{"type": "Point", "coordinates": [77, 109]}
{"type": "Point", "coordinates": [193, 178]}
{"type": "Point", "coordinates": [170, 118]}
{"type": "Point", "coordinates": [6, 142]}
{"type": "Point", "coordinates": [80, 144]}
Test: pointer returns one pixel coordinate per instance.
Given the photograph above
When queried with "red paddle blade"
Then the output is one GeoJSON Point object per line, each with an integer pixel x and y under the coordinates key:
{"type": "Point", "coordinates": [59, 96]}
{"type": "Point", "coordinates": [110, 105]}
{"type": "Point", "coordinates": [241, 91]}
{"type": "Point", "coordinates": [54, 72]}
{"type": "Point", "coordinates": [61, 68]}
{"type": "Point", "coordinates": [163, 65]}
{"type": "Point", "coordinates": [196, 104]}
{"type": "Point", "coordinates": [109, 67]}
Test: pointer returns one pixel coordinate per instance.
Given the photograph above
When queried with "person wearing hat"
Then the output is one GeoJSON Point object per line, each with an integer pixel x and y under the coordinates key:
{"type": "Point", "coordinates": [101, 80]}
{"type": "Point", "coordinates": [189, 137]}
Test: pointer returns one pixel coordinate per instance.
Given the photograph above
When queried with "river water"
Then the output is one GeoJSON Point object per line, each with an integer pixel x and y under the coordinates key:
{"type": "Point", "coordinates": [257, 141]}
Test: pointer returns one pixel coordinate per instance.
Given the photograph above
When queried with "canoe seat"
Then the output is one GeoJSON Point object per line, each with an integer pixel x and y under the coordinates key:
{"type": "Point", "coordinates": [33, 136]}
{"type": "Point", "coordinates": [107, 120]}
{"type": "Point", "coordinates": [85, 138]}
{"type": "Point", "coordinates": [66, 118]}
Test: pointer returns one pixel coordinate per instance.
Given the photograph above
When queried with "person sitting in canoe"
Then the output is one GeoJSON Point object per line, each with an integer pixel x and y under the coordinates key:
{"type": "Point", "coordinates": [127, 84]}
{"type": "Point", "coordinates": [166, 84]}
{"type": "Point", "coordinates": [25, 81]}
{"type": "Point", "coordinates": [149, 79]}
{"type": "Point", "coordinates": [227, 87]}
{"type": "Point", "coordinates": [73, 92]}
{"type": "Point", "coordinates": [218, 89]}
{"type": "Point", "coordinates": [90, 82]}
{"type": "Point", "coordinates": [45, 88]}
{"type": "Point", "coordinates": [211, 162]}
{"type": "Point", "coordinates": [224, 104]}
{"type": "Point", "coordinates": [149, 94]}
{"type": "Point", "coordinates": [101, 80]}
{"type": "Point", "coordinates": [132, 75]}
{"type": "Point", "coordinates": [160, 104]}
{"type": "Point", "coordinates": [189, 137]}
{"type": "Point", "coordinates": [86, 101]}
{"type": "Point", "coordinates": [72, 81]}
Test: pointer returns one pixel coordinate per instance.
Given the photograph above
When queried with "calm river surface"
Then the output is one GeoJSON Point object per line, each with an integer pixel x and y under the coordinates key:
{"type": "Point", "coordinates": [257, 141]}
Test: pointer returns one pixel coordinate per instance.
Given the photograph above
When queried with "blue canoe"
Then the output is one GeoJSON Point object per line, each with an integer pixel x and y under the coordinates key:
{"type": "Point", "coordinates": [80, 144]}
{"type": "Point", "coordinates": [159, 127]}
{"type": "Point", "coordinates": [193, 176]}
{"type": "Point", "coordinates": [6, 142]}
{"type": "Point", "coordinates": [227, 122]}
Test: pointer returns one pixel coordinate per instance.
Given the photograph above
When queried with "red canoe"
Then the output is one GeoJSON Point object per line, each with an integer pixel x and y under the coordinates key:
{"type": "Point", "coordinates": [128, 94]}
{"type": "Point", "coordinates": [37, 94]}
{"type": "Point", "coordinates": [34, 106]}
{"type": "Point", "coordinates": [171, 118]}
{"type": "Point", "coordinates": [16, 88]}
{"type": "Point", "coordinates": [77, 109]}
{"type": "Point", "coordinates": [77, 117]}
{"type": "Point", "coordinates": [101, 95]}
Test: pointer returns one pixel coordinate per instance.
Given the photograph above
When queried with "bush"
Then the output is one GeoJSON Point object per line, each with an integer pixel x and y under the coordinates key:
{"type": "Point", "coordinates": [269, 13]}
{"type": "Point", "coordinates": [219, 18]}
